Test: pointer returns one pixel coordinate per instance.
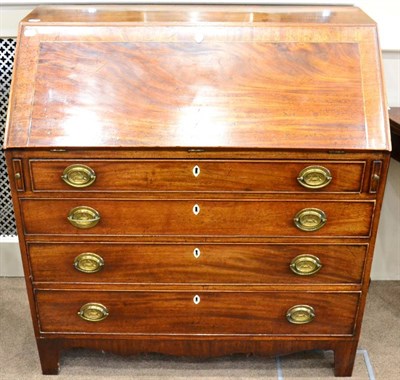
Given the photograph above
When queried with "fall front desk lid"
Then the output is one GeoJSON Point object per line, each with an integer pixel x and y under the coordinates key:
{"type": "Point", "coordinates": [216, 77]}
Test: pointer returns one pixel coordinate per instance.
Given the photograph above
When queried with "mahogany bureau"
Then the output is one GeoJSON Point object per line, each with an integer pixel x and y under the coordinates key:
{"type": "Point", "coordinates": [197, 180]}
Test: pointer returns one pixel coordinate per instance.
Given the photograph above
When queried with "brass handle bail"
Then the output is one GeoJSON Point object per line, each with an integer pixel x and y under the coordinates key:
{"type": "Point", "coordinates": [314, 177]}
{"type": "Point", "coordinates": [310, 219]}
{"type": "Point", "coordinates": [300, 314]}
{"type": "Point", "coordinates": [305, 265]}
{"type": "Point", "coordinates": [78, 176]}
{"type": "Point", "coordinates": [93, 312]}
{"type": "Point", "coordinates": [83, 217]}
{"type": "Point", "coordinates": [88, 262]}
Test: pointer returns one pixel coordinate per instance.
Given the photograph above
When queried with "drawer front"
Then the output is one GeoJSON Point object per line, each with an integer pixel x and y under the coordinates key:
{"type": "Point", "coordinates": [197, 312]}
{"type": "Point", "coordinates": [196, 218]}
{"type": "Point", "coordinates": [195, 175]}
{"type": "Point", "coordinates": [201, 264]}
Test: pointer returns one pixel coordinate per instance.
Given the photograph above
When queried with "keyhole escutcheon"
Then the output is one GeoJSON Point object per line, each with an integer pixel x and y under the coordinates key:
{"type": "Point", "coordinates": [196, 171]}
{"type": "Point", "coordinates": [196, 253]}
{"type": "Point", "coordinates": [196, 209]}
{"type": "Point", "coordinates": [196, 299]}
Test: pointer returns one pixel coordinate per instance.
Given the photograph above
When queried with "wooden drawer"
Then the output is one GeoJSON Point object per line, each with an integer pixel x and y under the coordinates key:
{"type": "Point", "coordinates": [189, 263]}
{"type": "Point", "coordinates": [167, 312]}
{"type": "Point", "coordinates": [214, 218]}
{"type": "Point", "coordinates": [196, 175]}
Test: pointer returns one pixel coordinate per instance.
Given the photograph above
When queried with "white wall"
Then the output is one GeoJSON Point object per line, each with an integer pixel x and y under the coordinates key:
{"type": "Point", "coordinates": [387, 13]}
{"type": "Point", "coordinates": [386, 265]}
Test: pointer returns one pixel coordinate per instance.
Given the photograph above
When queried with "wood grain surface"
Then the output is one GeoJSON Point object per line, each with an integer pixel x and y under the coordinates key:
{"type": "Point", "coordinates": [172, 86]}
{"type": "Point", "coordinates": [195, 14]}
{"type": "Point", "coordinates": [216, 263]}
{"type": "Point", "coordinates": [216, 218]}
{"type": "Point", "coordinates": [213, 176]}
{"type": "Point", "coordinates": [171, 313]}
{"type": "Point", "coordinates": [190, 94]}
{"type": "Point", "coordinates": [201, 347]}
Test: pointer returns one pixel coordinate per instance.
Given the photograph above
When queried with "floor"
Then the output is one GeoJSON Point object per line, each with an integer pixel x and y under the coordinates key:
{"type": "Point", "coordinates": [378, 356]}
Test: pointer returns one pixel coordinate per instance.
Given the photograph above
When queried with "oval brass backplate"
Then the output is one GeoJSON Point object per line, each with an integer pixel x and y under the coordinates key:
{"type": "Point", "coordinates": [300, 314]}
{"type": "Point", "coordinates": [305, 265]}
{"type": "Point", "coordinates": [93, 312]}
{"type": "Point", "coordinates": [314, 177]}
{"type": "Point", "coordinates": [78, 175]}
{"type": "Point", "coordinates": [88, 262]}
{"type": "Point", "coordinates": [83, 217]}
{"type": "Point", "coordinates": [310, 219]}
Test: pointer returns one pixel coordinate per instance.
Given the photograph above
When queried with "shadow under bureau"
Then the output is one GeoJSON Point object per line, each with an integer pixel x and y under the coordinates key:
{"type": "Point", "coordinates": [197, 180]}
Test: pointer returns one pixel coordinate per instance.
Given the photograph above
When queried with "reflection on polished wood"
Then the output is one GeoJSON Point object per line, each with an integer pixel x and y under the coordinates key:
{"type": "Point", "coordinates": [195, 14]}
{"type": "Point", "coordinates": [139, 84]}
{"type": "Point", "coordinates": [204, 96]}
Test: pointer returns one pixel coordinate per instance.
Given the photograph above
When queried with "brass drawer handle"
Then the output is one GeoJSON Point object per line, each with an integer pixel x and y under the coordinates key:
{"type": "Point", "coordinates": [88, 262]}
{"type": "Point", "coordinates": [314, 177]}
{"type": "Point", "coordinates": [78, 175]}
{"type": "Point", "coordinates": [305, 265]}
{"type": "Point", "coordinates": [310, 219]}
{"type": "Point", "coordinates": [83, 217]}
{"type": "Point", "coordinates": [300, 314]}
{"type": "Point", "coordinates": [93, 312]}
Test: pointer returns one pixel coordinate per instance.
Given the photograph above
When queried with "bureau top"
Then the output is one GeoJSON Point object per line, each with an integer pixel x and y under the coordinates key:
{"type": "Point", "coordinates": [253, 77]}
{"type": "Point", "coordinates": [194, 14]}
